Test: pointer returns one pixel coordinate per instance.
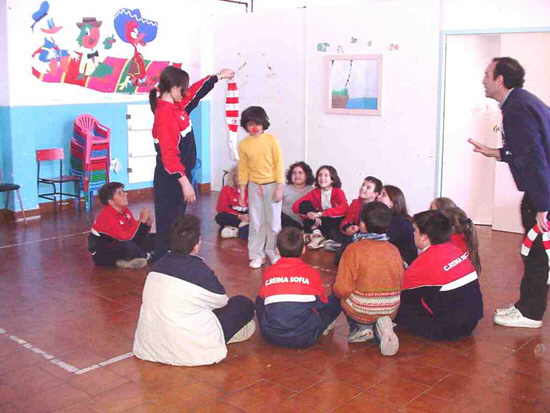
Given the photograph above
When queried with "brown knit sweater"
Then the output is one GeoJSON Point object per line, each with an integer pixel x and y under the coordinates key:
{"type": "Point", "coordinates": [369, 280]}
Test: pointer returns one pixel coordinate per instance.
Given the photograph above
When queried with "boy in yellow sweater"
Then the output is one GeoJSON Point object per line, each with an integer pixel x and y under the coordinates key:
{"type": "Point", "coordinates": [261, 168]}
{"type": "Point", "coordinates": [368, 281]}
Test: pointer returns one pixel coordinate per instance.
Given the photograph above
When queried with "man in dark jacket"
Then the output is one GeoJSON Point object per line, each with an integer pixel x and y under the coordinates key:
{"type": "Point", "coordinates": [526, 149]}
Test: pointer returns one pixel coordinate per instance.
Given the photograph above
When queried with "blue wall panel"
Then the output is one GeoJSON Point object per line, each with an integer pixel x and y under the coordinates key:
{"type": "Point", "coordinates": [24, 129]}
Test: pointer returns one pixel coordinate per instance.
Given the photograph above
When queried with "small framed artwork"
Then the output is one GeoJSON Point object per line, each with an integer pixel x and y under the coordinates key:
{"type": "Point", "coordinates": [354, 84]}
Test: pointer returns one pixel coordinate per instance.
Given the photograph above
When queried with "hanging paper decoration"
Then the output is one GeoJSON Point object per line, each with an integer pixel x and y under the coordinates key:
{"type": "Point", "coordinates": [232, 117]}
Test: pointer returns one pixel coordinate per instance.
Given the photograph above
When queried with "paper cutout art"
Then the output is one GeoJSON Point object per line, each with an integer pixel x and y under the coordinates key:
{"type": "Point", "coordinates": [137, 31]}
{"type": "Point", "coordinates": [40, 13]}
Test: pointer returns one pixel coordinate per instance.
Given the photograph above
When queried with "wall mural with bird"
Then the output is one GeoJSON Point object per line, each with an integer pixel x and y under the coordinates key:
{"type": "Point", "coordinates": [90, 63]}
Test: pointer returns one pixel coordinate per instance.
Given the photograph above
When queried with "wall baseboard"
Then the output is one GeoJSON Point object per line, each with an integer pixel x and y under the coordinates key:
{"type": "Point", "coordinates": [49, 208]}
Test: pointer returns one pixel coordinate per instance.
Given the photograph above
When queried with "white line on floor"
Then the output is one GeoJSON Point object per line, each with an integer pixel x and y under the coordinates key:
{"type": "Point", "coordinates": [42, 240]}
{"type": "Point", "coordinates": [60, 363]}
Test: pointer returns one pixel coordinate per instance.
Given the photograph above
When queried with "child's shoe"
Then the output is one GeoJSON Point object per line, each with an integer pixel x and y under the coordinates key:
{"type": "Point", "coordinates": [244, 333]}
{"type": "Point", "coordinates": [317, 240]}
{"type": "Point", "coordinates": [389, 343]}
{"type": "Point", "coordinates": [229, 232]}
{"type": "Point", "coordinates": [331, 245]}
{"type": "Point", "coordinates": [361, 334]}
{"type": "Point", "coordinates": [256, 263]}
{"type": "Point", "coordinates": [329, 328]}
{"type": "Point", "coordinates": [132, 264]}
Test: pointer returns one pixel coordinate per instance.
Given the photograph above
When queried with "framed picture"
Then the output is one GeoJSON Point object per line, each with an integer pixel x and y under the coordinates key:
{"type": "Point", "coordinates": [354, 84]}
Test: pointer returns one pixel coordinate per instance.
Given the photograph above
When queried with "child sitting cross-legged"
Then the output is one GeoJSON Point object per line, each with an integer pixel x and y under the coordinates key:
{"type": "Point", "coordinates": [441, 298]}
{"type": "Point", "coordinates": [231, 216]}
{"type": "Point", "coordinates": [116, 237]}
{"type": "Point", "coordinates": [186, 318]}
{"type": "Point", "coordinates": [368, 281]}
{"type": "Point", "coordinates": [292, 307]}
{"type": "Point", "coordinates": [323, 208]}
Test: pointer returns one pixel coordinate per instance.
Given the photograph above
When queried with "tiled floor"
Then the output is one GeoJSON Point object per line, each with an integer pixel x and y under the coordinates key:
{"type": "Point", "coordinates": [54, 299]}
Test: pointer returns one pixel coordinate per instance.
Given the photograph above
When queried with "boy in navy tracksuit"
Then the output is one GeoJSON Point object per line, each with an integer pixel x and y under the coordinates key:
{"type": "Point", "coordinates": [440, 297]}
{"type": "Point", "coordinates": [292, 307]}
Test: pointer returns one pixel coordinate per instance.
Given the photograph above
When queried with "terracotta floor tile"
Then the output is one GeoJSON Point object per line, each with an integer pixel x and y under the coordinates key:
{"type": "Point", "coordinates": [83, 314]}
{"type": "Point", "coordinates": [412, 371]}
{"type": "Point", "coordinates": [19, 360]}
{"type": "Point", "coordinates": [97, 381]}
{"type": "Point", "coordinates": [397, 391]}
{"type": "Point", "coordinates": [183, 396]}
{"type": "Point", "coordinates": [217, 407]}
{"type": "Point", "coordinates": [119, 399]}
{"type": "Point", "coordinates": [329, 394]}
{"type": "Point", "coordinates": [259, 396]}
{"type": "Point", "coordinates": [367, 403]}
{"type": "Point", "coordinates": [51, 400]}
{"type": "Point", "coordinates": [456, 386]}
{"type": "Point", "coordinates": [6, 407]}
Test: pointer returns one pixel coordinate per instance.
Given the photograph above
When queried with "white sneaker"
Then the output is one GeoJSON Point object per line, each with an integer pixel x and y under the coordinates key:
{"type": "Point", "coordinates": [256, 263]}
{"type": "Point", "coordinates": [505, 310]}
{"type": "Point", "coordinates": [244, 333]}
{"type": "Point", "coordinates": [133, 264]}
{"type": "Point", "coordinates": [514, 318]}
{"type": "Point", "coordinates": [389, 343]}
{"type": "Point", "coordinates": [360, 335]}
{"type": "Point", "coordinates": [229, 232]}
{"type": "Point", "coordinates": [317, 240]}
{"type": "Point", "coordinates": [274, 259]}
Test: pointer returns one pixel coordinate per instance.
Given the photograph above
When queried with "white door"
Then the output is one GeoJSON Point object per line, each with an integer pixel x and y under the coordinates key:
{"type": "Point", "coordinates": [141, 150]}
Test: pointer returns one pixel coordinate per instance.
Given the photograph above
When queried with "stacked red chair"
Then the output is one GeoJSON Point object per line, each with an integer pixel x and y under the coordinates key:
{"type": "Point", "coordinates": [90, 154]}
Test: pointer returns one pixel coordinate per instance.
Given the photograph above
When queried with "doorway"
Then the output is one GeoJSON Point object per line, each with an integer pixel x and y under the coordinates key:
{"type": "Point", "coordinates": [483, 187]}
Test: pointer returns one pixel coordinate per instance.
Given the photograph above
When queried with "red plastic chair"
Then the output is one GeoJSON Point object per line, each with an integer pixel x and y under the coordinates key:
{"type": "Point", "coordinates": [55, 154]}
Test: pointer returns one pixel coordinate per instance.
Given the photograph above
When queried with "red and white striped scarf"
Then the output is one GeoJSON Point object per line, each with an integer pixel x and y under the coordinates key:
{"type": "Point", "coordinates": [232, 117]}
{"type": "Point", "coordinates": [531, 237]}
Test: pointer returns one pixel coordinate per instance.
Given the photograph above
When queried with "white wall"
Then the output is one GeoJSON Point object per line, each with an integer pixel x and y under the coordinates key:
{"type": "Point", "coordinates": [398, 146]}
{"type": "Point", "coordinates": [4, 74]}
{"type": "Point", "coordinates": [494, 14]}
{"type": "Point", "coordinates": [271, 61]}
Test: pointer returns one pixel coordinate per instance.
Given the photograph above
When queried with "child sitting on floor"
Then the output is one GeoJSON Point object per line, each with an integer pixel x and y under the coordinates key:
{"type": "Point", "coordinates": [186, 319]}
{"type": "Point", "coordinates": [442, 203]}
{"type": "Point", "coordinates": [368, 281]}
{"type": "Point", "coordinates": [401, 231]}
{"type": "Point", "coordinates": [323, 208]}
{"type": "Point", "coordinates": [368, 192]}
{"type": "Point", "coordinates": [116, 237]}
{"type": "Point", "coordinates": [293, 309]}
{"type": "Point", "coordinates": [231, 216]}
{"type": "Point", "coordinates": [441, 298]}
{"type": "Point", "coordinates": [299, 181]}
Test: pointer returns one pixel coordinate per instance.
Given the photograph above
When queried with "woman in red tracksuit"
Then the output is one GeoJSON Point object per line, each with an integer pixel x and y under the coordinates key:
{"type": "Point", "coordinates": [323, 208]}
{"type": "Point", "coordinates": [172, 101]}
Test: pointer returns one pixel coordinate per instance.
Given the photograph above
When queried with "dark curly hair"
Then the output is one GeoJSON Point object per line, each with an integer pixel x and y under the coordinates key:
{"type": "Point", "coordinates": [510, 70]}
{"type": "Point", "coordinates": [305, 167]}
{"type": "Point", "coordinates": [255, 114]}
{"type": "Point", "coordinates": [336, 183]}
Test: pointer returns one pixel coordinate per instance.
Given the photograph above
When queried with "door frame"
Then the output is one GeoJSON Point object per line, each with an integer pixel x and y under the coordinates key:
{"type": "Point", "coordinates": [440, 144]}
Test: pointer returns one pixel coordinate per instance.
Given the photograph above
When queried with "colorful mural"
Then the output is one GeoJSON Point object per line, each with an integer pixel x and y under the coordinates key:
{"type": "Point", "coordinates": [87, 63]}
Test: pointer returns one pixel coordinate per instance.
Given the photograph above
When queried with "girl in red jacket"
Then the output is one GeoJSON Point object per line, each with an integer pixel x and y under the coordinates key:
{"type": "Point", "coordinates": [231, 216]}
{"type": "Point", "coordinates": [171, 102]}
{"type": "Point", "coordinates": [464, 234]}
{"type": "Point", "coordinates": [323, 208]}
